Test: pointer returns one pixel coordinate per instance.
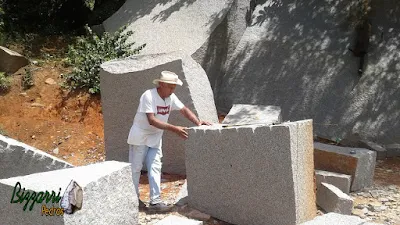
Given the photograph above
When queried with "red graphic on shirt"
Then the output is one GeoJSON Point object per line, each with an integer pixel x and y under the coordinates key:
{"type": "Point", "coordinates": [163, 110]}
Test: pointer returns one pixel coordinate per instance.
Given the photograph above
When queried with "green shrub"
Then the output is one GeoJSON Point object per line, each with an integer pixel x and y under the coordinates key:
{"type": "Point", "coordinates": [5, 82]}
{"type": "Point", "coordinates": [27, 80]}
{"type": "Point", "coordinates": [90, 52]}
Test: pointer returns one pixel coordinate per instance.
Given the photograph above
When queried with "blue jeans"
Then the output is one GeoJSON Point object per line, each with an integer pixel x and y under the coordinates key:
{"type": "Point", "coordinates": [152, 156]}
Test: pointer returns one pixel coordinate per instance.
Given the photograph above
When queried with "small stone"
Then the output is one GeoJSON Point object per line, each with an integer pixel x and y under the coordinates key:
{"type": "Point", "coordinates": [56, 151]}
{"type": "Point", "coordinates": [361, 206]}
{"type": "Point", "coordinates": [50, 81]}
{"type": "Point", "coordinates": [383, 199]}
{"type": "Point", "coordinates": [65, 157]}
{"type": "Point", "coordinates": [365, 210]}
{"type": "Point", "coordinates": [23, 94]}
{"type": "Point", "coordinates": [35, 104]}
{"type": "Point", "coordinates": [195, 214]}
{"type": "Point", "coordinates": [33, 137]}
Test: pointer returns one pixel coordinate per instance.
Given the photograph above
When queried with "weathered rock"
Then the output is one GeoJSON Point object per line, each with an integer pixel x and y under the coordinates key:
{"type": "Point", "coordinates": [108, 196]}
{"type": "Point", "coordinates": [11, 61]}
{"type": "Point", "coordinates": [380, 151]}
{"type": "Point", "coordinates": [182, 198]}
{"type": "Point", "coordinates": [196, 214]}
{"type": "Point", "coordinates": [357, 162]}
{"type": "Point", "coordinates": [341, 181]}
{"type": "Point", "coordinates": [248, 164]}
{"type": "Point", "coordinates": [332, 199]}
{"type": "Point", "coordinates": [253, 114]}
{"type": "Point", "coordinates": [337, 219]}
{"type": "Point", "coordinates": [393, 150]}
{"type": "Point", "coordinates": [38, 105]}
{"type": "Point", "coordinates": [175, 220]}
{"type": "Point", "coordinates": [135, 75]}
{"type": "Point", "coordinates": [50, 81]}
{"type": "Point", "coordinates": [18, 159]}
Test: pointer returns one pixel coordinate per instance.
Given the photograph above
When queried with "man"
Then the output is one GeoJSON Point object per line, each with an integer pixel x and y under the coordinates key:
{"type": "Point", "coordinates": [145, 136]}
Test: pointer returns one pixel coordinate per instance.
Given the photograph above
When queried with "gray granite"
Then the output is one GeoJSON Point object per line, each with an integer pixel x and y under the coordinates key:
{"type": "Point", "coordinates": [337, 219]}
{"type": "Point", "coordinates": [393, 150]}
{"type": "Point", "coordinates": [357, 162]}
{"type": "Point", "coordinates": [175, 220]}
{"type": "Point", "coordinates": [182, 198]}
{"type": "Point", "coordinates": [332, 199]}
{"type": "Point", "coordinates": [252, 114]}
{"type": "Point", "coordinates": [254, 169]}
{"type": "Point", "coordinates": [108, 196]}
{"type": "Point", "coordinates": [17, 159]}
{"type": "Point", "coordinates": [341, 181]}
{"type": "Point", "coordinates": [381, 152]}
{"type": "Point", "coordinates": [133, 76]}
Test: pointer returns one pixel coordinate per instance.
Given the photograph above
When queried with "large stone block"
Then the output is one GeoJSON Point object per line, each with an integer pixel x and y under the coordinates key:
{"type": "Point", "coordinates": [332, 199]}
{"type": "Point", "coordinates": [133, 76]}
{"type": "Point", "coordinates": [108, 196]}
{"type": "Point", "coordinates": [11, 61]}
{"type": "Point", "coordinates": [357, 162]}
{"type": "Point", "coordinates": [381, 152]}
{"type": "Point", "coordinates": [18, 159]}
{"type": "Point", "coordinates": [261, 174]}
{"type": "Point", "coordinates": [253, 114]}
{"type": "Point", "coordinates": [337, 219]}
{"type": "Point", "coordinates": [341, 181]}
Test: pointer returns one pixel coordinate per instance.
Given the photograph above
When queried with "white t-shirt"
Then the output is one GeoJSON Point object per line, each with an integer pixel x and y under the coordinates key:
{"type": "Point", "coordinates": [142, 133]}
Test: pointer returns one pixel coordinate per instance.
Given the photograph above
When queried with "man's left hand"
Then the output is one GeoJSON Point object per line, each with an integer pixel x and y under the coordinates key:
{"type": "Point", "coordinates": [201, 122]}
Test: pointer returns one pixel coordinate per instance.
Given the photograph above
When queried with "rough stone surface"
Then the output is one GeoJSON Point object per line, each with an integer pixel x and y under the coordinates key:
{"type": "Point", "coordinates": [133, 76]}
{"type": "Point", "coordinates": [11, 61]}
{"type": "Point", "coordinates": [359, 165]}
{"type": "Point", "coordinates": [337, 219]}
{"type": "Point", "coordinates": [300, 61]}
{"type": "Point", "coordinates": [332, 199]}
{"type": "Point", "coordinates": [182, 198]}
{"type": "Point", "coordinates": [108, 196]}
{"type": "Point", "coordinates": [18, 159]}
{"type": "Point", "coordinates": [240, 192]}
{"type": "Point", "coordinates": [393, 150]}
{"type": "Point", "coordinates": [251, 114]}
{"type": "Point", "coordinates": [381, 152]}
{"type": "Point", "coordinates": [341, 181]}
{"type": "Point", "coordinates": [169, 26]}
{"type": "Point", "coordinates": [174, 220]}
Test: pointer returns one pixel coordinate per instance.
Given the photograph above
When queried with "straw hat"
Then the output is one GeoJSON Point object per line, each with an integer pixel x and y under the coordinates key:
{"type": "Point", "coordinates": [169, 78]}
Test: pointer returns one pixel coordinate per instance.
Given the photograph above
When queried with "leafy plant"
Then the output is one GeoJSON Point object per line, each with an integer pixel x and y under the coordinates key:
{"type": "Point", "coordinates": [90, 52]}
{"type": "Point", "coordinates": [27, 80]}
{"type": "Point", "coordinates": [5, 82]}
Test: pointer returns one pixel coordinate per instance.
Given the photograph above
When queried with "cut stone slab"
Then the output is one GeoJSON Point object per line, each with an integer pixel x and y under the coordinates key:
{"type": "Point", "coordinates": [381, 152]}
{"type": "Point", "coordinates": [183, 26]}
{"type": "Point", "coordinates": [18, 159]}
{"type": "Point", "coordinates": [360, 165]}
{"type": "Point", "coordinates": [11, 61]}
{"type": "Point", "coordinates": [393, 150]}
{"type": "Point", "coordinates": [108, 196]}
{"type": "Point", "coordinates": [253, 114]}
{"type": "Point", "coordinates": [174, 220]}
{"type": "Point", "coordinates": [247, 164]}
{"type": "Point", "coordinates": [341, 181]}
{"type": "Point", "coordinates": [182, 198]}
{"type": "Point", "coordinates": [133, 76]}
{"type": "Point", "coordinates": [337, 219]}
{"type": "Point", "coordinates": [332, 199]}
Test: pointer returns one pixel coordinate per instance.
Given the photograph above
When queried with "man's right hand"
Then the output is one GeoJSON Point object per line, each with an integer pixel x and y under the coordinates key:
{"type": "Point", "coordinates": [181, 131]}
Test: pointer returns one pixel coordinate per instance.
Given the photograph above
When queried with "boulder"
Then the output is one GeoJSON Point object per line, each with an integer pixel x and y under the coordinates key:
{"type": "Point", "coordinates": [11, 61]}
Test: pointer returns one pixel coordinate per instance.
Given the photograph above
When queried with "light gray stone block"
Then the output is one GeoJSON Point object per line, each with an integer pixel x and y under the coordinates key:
{"type": "Point", "coordinates": [175, 220]}
{"type": "Point", "coordinates": [133, 76]}
{"type": "Point", "coordinates": [108, 196]}
{"type": "Point", "coordinates": [17, 159]}
{"type": "Point", "coordinates": [357, 162]}
{"type": "Point", "coordinates": [341, 181]}
{"type": "Point", "coordinates": [11, 61]}
{"type": "Point", "coordinates": [253, 114]}
{"type": "Point", "coordinates": [381, 152]}
{"type": "Point", "coordinates": [247, 164]}
{"type": "Point", "coordinates": [336, 219]}
{"type": "Point", "coordinates": [182, 198]}
{"type": "Point", "coordinates": [332, 199]}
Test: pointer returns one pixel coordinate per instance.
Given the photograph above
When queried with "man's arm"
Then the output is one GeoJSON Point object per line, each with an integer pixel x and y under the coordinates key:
{"type": "Point", "coordinates": [166, 126]}
{"type": "Point", "coordinates": [192, 117]}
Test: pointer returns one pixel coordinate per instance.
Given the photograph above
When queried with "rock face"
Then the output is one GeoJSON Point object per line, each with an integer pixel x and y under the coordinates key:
{"type": "Point", "coordinates": [108, 196]}
{"type": "Point", "coordinates": [11, 61]}
{"type": "Point", "coordinates": [135, 75]}
{"type": "Point", "coordinates": [18, 159]}
{"type": "Point", "coordinates": [253, 114]}
{"type": "Point", "coordinates": [357, 162]}
{"type": "Point", "coordinates": [254, 169]}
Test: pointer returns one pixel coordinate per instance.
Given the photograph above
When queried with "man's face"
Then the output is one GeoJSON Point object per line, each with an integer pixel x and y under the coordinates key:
{"type": "Point", "coordinates": [167, 89]}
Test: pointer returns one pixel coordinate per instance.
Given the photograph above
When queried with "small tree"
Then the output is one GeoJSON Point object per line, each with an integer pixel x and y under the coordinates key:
{"type": "Point", "coordinates": [90, 52]}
